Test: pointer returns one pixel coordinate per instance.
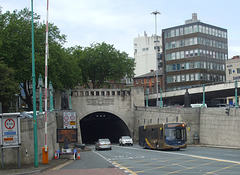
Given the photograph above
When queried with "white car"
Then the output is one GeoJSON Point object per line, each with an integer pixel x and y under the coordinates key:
{"type": "Point", "coordinates": [125, 140]}
{"type": "Point", "coordinates": [103, 144]}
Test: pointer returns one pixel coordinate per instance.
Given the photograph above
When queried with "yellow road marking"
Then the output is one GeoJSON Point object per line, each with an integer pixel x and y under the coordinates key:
{"type": "Point", "coordinates": [219, 160]}
{"type": "Point", "coordinates": [125, 168]}
{"type": "Point", "coordinates": [221, 169]}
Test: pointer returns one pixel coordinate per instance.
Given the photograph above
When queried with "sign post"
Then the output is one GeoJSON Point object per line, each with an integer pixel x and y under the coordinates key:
{"type": "Point", "coordinates": [10, 133]}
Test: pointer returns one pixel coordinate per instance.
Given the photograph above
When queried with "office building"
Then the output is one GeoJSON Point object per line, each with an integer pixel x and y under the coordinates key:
{"type": "Point", "coordinates": [194, 54]}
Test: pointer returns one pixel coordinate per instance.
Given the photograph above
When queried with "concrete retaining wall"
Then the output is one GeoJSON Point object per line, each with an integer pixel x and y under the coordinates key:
{"type": "Point", "coordinates": [218, 128]}
{"type": "Point", "coordinates": [27, 141]}
{"type": "Point", "coordinates": [213, 125]}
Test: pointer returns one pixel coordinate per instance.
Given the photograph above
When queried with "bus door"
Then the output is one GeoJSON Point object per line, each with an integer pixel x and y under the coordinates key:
{"type": "Point", "coordinates": [161, 138]}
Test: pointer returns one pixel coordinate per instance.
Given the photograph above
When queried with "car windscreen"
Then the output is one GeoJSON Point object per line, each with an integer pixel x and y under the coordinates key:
{"type": "Point", "coordinates": [126, 137]}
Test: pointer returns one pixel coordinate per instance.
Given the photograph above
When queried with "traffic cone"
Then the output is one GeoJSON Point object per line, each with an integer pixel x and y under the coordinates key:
{"type": "Point", "coordinates": [55, 157]}
{"type": "Point", "coordinates": [78, 154]}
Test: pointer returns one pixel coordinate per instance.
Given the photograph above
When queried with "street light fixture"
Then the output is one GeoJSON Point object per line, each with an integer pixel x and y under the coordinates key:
{"type": "Point", "coordinates": [40, 83]}
{"type": "Point", "coordinates": [156, 13]}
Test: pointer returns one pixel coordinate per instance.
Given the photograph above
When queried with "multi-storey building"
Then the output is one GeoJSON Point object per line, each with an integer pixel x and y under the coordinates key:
{"type": "Point", "coordinates": [146, 53]}
{"type": "Point", "coordinates": [194, 54]}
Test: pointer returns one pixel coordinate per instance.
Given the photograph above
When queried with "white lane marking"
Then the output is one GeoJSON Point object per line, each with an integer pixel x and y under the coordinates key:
{"type": "Point", "coordinates": [189, 155]}
{"type": "Point", "coordinates": [113, 163]}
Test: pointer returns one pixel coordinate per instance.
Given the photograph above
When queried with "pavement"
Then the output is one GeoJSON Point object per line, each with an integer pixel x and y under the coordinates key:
{"type": "Point", "coordinates": [31, 169]}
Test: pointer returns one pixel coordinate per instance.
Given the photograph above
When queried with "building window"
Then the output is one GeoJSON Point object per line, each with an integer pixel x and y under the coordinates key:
{"type": "Point", "coordinates": [173, 56]}
{"type": "Point", "coordinates": [177, 32]}
{"type": "Point", "coordinates": [152, 80]}
{"type": "Point", "coordinates": [187, 77]}
{"type": "Point", "coordinates": [238, 70]}
{"type": "Point", "coordinates": [183, 77]}
{"type": "Point", "coordinates": [147, 80]}
{"type": "Point", "coordinates": [137, 81]}
{"type": "Point", "coordinates": [153, 89]}
{"type": "Point", "coordinates": [142, 81]}
{"type": "Point", "coordinates": [191, 77]}
{"type": "Point", "coordinates": [229, 71]}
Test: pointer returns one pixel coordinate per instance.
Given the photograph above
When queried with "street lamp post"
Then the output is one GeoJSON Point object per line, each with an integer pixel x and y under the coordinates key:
{"type": "Point", "coordinates": [40, 83]}
{"type": "Point", "coordinates": [147, 93]}
{"type": "Point", "coordinates": [51, 96]}
{"type": "Point", "coordinates": [161, 102]}
{"type": "Point", "coordinates": [236, 96]}
{"type": "Point", "coordinates": [70, 104]}
{"type": "Point", "coordinates": [156, 13]}
{"type": "Point", "coordinates": [34, 97]}
{"type": "Point", "coordinates": [203, 95]}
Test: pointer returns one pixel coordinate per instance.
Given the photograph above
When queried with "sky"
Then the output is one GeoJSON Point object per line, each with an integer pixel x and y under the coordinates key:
{"type": "Point", "coordinates": [118, 22]}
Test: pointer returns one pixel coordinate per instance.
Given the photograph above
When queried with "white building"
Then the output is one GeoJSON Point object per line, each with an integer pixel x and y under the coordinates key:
{"type": "Point", "coordinates": [233, 74]}
{"type": "Point", "coordinates": [233, 69]}
{"type": "Point", "coordinates": [145, 54]}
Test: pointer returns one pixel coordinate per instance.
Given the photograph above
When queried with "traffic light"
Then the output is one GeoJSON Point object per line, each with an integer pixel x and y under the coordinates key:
{"type": "Point", "coordinates": [227, 110]}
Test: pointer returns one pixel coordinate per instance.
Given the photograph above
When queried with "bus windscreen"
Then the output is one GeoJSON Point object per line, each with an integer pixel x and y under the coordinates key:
{"type": "Point", "coordinates": [175, 132]}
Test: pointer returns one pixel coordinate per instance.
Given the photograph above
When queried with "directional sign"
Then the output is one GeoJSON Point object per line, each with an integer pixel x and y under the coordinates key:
{"type": "Point", "coordinates": [10, 131]}
{"type": "Point", "coordinates": [69, 120]}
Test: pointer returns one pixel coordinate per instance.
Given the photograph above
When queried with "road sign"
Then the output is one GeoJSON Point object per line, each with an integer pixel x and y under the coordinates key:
{"type": "Point", "coordinates": [69, 120]}
{"type": "Point", "coordinates": [10, 131]}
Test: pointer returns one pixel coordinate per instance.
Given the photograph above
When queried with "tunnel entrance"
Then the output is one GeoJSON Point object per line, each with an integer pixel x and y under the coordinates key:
{"type": "Point", "coordinates": [102, 125]}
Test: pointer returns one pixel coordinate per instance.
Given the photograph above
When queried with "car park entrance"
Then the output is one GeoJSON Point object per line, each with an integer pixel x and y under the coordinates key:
{"type": "Point", "coordinates": [102, 125]}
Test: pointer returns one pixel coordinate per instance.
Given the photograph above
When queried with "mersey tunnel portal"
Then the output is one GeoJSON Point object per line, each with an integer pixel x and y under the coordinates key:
{"type": "Point", "coordinates": [102, 125]}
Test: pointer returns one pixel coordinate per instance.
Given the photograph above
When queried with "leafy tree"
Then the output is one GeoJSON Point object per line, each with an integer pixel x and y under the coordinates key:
{"type": "Point", "coordinates": [100, 63]}
{"type": "Point", "coordinates": [63, 68]}
{"type": "Point", "coordinates": [8, 86]}
{"type": "Point", "coordinates": [16, 51]}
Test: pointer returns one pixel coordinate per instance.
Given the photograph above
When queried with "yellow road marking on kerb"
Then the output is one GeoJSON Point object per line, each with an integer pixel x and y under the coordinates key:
{"type": "Point", "coordinates": [125, 168]}
{"type": "Point", "coordinates": [62, 165]}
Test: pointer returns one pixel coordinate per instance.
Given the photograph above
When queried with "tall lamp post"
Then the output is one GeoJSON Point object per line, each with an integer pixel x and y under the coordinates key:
{"type": "Point", "coordinates": [203, 95]}
{"type": "Point", "coordinates": [40, 83]}
{"type": "Point", "coordinates": [34, 97]}
{"type": "Point", "coordinates": [147, 93]}
{"type": "Point", "coordinates": [51, 95]}
{"type": "Point", "coordinates": [70, 103]}
{"type": "Point", "coordinates": [236, 96]}
{"type": "Point", "coordinates": [156, 39]}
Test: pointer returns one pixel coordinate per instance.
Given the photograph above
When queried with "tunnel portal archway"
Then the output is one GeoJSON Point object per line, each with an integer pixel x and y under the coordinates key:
{"type": "Point", "coordinates": [102, 125]}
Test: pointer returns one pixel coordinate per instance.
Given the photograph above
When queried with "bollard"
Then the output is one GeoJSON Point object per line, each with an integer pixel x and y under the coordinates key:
{"type": "Point", "coordinates": [78, 155]}
{"type": "Point", "coordinates": [55, 156]}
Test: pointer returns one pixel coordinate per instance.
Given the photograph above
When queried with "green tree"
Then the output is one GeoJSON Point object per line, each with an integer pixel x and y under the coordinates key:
{"type": "Point", "coordinates": [100, 63]}
{"type": "Point", "coordinates": [16, 52]}
{"type": "Point", "coordinates": [8, 86]}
